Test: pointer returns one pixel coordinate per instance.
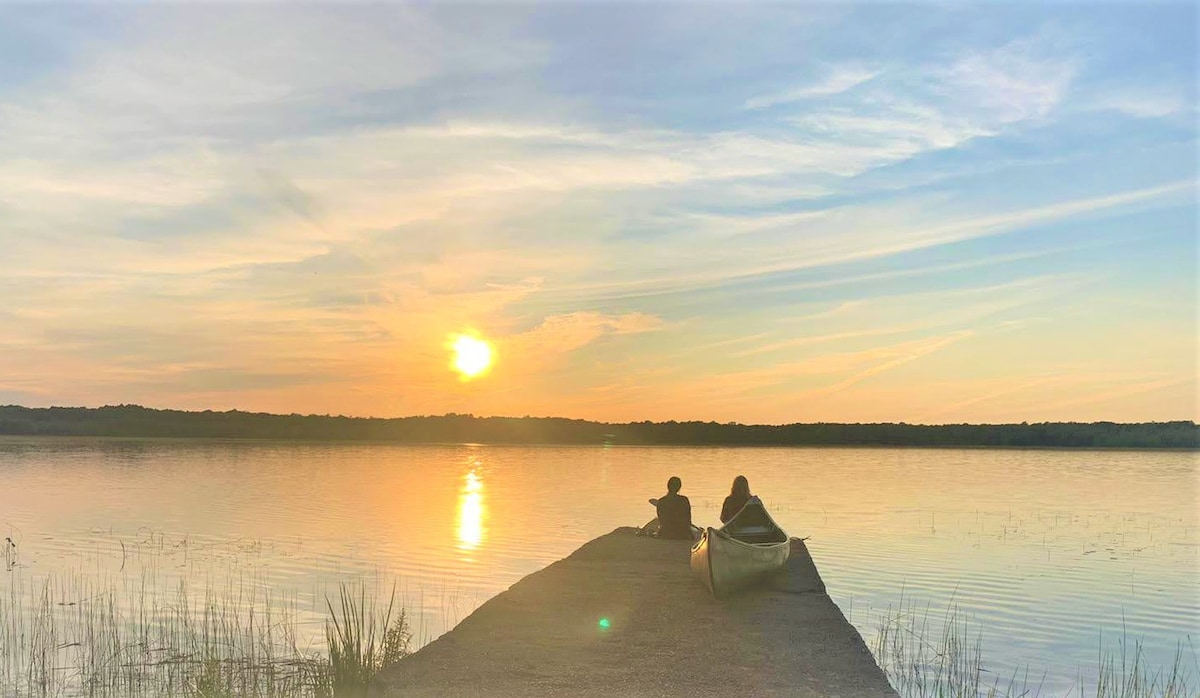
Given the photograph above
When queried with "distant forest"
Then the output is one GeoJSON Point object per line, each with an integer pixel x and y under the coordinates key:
{"type": "Point", "coordinates": [135, 421]}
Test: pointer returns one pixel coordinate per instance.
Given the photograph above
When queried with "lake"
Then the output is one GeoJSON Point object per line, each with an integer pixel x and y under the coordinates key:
{"type": "Point", "coordinates": [1049, 555]}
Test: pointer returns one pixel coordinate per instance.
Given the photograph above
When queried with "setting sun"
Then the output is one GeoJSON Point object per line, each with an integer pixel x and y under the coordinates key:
{"type": "Point", "coordinates": [472, 355]}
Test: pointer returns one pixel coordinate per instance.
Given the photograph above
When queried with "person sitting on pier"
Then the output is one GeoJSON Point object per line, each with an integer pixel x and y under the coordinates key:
{"type": "Point", "coordinates": [674, 512]}
{"type": "Point", "coordinates": [738, 496]}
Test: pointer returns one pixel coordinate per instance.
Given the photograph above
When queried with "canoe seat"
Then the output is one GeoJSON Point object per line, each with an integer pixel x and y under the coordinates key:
{"type": "Point", "coordinates": [752, 530]}
{"type": "Point", "coordinates": [758, 534]}
{"type": "Point", "coordinates": [753, 525]}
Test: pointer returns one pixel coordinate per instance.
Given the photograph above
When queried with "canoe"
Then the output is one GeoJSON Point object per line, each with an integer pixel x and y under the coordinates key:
{"type": "Point", "coordinates": [741, 552]}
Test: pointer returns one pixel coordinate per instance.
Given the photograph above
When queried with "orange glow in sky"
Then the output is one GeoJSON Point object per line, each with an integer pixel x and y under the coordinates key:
{"type": "Point", "coordinates": [912, 230]}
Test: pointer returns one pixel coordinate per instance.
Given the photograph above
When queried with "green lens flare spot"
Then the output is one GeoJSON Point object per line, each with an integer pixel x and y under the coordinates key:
{"type": "Point", "coordinates": [605, 624]}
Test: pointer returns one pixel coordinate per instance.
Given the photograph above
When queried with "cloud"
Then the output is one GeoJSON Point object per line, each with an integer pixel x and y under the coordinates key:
{"type": "Point", "coordinates": [562, 334]}
{"type": "Point", "coordinates": [267, 193]}
{"type": "Point", "coordinates": [1092, 396]}
{"type": "Point", "coordinates": [844, 235]}
{"type": "Point", "coordinates": [1008, 387]}
{"type": "Point", "coordinates": [391, 175]}
{"type": "Point", "coordinates": [1143, 103]}
{"type": "Point", "coordinates": [174, 73]}
{"type": "Point", "coordinates": [892, 357]}
{"type": "Point", "coordinates": [1021, 80]}
{"type": "Point", "coordinates": [874, 118]}
{"type": "Point", "coordinates": [839, 79]}
{"type": "Point", "coordinates": [775, 388]}
{"type": "Point", "coordinates": [1048, 396]}
{"type": "Point", "coordinates": [901, 130]}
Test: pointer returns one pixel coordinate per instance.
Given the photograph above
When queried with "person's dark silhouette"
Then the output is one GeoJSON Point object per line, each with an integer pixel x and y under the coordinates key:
{"type": "Point", "coordinates": [674, 512]}
{"type": "Point", "coordinates": [738, 496]}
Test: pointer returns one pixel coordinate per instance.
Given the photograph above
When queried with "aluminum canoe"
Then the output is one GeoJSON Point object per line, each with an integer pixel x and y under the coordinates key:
{"type": "Point", "coordinates": [748, 547]}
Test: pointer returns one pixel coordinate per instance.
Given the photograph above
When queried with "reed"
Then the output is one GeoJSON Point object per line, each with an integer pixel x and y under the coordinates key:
{"type": "Point", "coordinates": [71, 638]}
{"type": "Point", "coordinates": [1124, 673]}
{"type": "Point", "coordinates": [77, 633]}
{"type": "Point", "coordinates": [923, 660]}
{"type": "Point", "coordinates": [9, 552]}
{"type": "Point", "coordinates": [362, 641]}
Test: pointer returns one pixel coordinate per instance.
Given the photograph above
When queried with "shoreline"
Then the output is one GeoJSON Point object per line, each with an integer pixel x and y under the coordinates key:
{"type": "Point", "coordinates": [518, 444]}
{"type": "Point", "coordinates": [137, 421]}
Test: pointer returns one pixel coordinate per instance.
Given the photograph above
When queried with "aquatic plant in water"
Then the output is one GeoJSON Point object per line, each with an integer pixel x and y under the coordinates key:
{"type": "Point", "coordinates": [362, 641]}
{"type": "Point", "coordinates": [69, 637]}
{"type": "Point", "coordinates": [922, 661]}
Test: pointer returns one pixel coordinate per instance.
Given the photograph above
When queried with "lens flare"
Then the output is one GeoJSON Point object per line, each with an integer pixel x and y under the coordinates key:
{"type": "Point", "coordinates": [472, 356]}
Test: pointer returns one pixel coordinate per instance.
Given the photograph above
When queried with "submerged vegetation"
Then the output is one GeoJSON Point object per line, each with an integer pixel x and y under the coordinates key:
{"type": "Point", "coordinates": [923, 661]}
{"type": "Point", "coordinates": [135, 421]}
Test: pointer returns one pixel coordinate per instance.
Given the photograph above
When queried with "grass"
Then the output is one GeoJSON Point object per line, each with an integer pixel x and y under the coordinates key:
{"type": "Point", "coordinates": [69, 638]}
{"type": "Point", "coordinates": [922, 660]}
{"type": "Point", "coordinates": [1126, 674]}
{"type": "Point", "coordinates": [362, 641]}
{"type": "Point", "coordinates": [132, 634]}
{"type": "Point", "coordinates": [9, 553]}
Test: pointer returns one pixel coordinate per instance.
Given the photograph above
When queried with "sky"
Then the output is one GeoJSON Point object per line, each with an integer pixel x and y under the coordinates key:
{"type": "Point", "coordinates": [763, 213]}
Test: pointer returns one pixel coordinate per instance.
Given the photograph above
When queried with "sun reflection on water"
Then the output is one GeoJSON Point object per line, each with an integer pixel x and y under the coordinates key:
{"type": "Point", "coordinates": [471, 512]}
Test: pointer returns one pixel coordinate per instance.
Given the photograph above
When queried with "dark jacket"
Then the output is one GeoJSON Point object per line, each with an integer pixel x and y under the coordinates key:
{"type": "Point", "coordinates": [674, 517]}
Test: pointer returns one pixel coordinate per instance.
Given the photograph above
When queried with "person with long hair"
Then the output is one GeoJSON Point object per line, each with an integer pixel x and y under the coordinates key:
{"type": "Point", "coordinates": [739, 494]}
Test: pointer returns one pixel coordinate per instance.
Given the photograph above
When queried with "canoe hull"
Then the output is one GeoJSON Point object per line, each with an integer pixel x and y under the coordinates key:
{"type": "Point", "coordinates": [748, 547]}
{"type": "Point", "coordinates": [725, 564]}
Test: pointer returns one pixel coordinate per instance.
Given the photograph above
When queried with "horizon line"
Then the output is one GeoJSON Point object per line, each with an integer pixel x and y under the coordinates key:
{"type": "Point", "coordinates": [235, 410]}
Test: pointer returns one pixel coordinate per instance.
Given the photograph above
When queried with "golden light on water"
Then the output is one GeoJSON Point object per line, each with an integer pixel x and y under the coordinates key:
{"type": "Point", "coordinates": [472, 356]}
{"type": "Point", "coordinates": [470, 512]}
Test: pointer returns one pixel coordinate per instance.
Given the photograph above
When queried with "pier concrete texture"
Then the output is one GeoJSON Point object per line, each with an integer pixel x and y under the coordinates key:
{"type": "Point", "coordinates": [624, 616]}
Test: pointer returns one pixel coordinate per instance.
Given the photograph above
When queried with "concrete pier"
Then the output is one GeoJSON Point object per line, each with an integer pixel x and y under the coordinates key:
{"type": "Point", "coordinates": [624, 616]}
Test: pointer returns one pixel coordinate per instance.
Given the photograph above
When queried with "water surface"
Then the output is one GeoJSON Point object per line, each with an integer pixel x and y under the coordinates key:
{"type": "Point", "coordinates": [1047, 553]}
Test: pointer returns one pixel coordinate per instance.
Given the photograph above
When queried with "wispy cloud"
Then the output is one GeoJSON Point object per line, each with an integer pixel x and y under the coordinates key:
{"type": "Point", "coordinates": [838, 79]}
{"type": "Point", "coordinates": [1144, 103]}
{"type": "Point", "coordinates": [561, 334]}
{"type": "Point", "coordinates": [1024, 79]}
{"type": "Point", "coordinates": [853, 234]}
{"type": "Point", "coordinates": [893, 357]}
{"type": "Point", "coordinates": [1091, 396]}
{"type": "Point", "coordinates": [193, 200]}
{"type": "Point", "coordinates": [1007, 388]}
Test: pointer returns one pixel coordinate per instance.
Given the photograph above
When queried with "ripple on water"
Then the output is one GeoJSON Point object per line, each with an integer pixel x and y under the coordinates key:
{"type": "Point", "coordinates": [1044, 552]}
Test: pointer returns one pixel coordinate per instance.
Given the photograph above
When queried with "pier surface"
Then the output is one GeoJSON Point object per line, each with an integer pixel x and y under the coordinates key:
{"type": "Point", "coordinates": [624, 616]}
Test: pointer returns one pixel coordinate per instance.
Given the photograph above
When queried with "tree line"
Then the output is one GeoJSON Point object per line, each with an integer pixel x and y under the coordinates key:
{"type": "Point", "coordinates": [137, 421]}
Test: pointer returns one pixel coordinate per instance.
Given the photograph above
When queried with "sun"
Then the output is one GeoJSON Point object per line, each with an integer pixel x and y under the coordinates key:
{"type": "Point", "coordinates": [472, 355]}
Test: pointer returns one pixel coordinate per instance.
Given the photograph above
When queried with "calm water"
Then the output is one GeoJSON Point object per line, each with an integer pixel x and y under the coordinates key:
{"type": "Point", "coordinates": [1048, 553]}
